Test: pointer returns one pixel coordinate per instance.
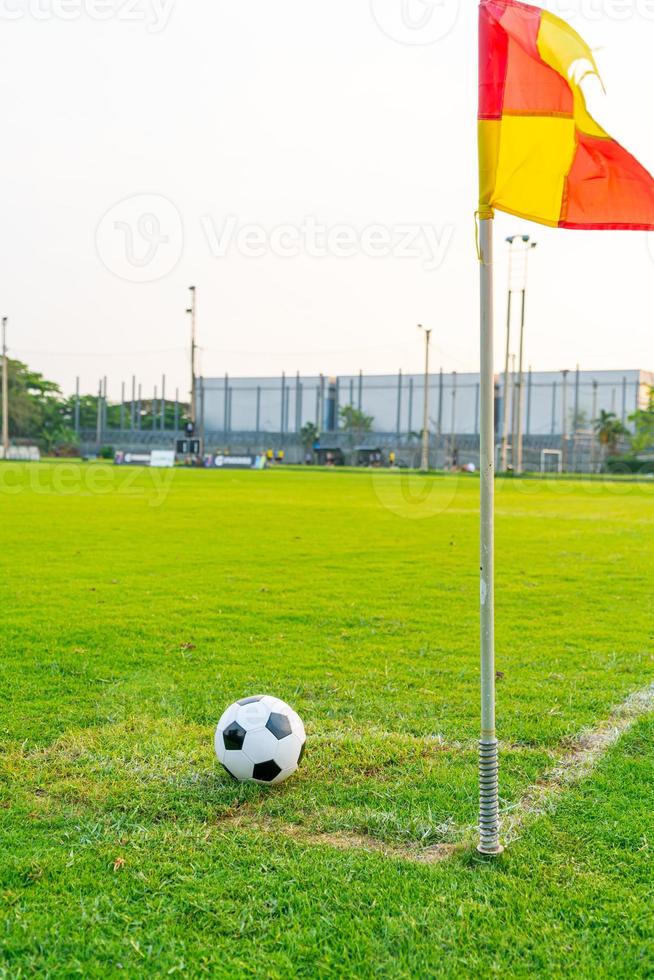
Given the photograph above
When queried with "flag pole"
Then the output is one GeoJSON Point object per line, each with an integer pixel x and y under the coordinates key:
{"type": "Point", "coordinates": [489, 841]}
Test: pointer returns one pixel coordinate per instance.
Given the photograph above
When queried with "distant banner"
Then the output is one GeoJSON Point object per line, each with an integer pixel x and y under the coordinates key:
{"type": "Point", "coordinates": [223, 462]}
{"type": "Point", "coordinates": [158, 458]}
{"type": "Point", "coordinates": [21, 454]}
{"type": "Point", "coordinates": [162, 458]}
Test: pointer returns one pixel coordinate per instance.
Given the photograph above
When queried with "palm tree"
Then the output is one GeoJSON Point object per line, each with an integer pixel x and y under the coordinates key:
{"type": "Point", "coordinates": [308, 435]}
{"type": "Point", "coordinates": [643, 422]}
{"type": "Point", "coordinates": [355, 422]}
{"type": "Point", "coordinates": [609, 430]}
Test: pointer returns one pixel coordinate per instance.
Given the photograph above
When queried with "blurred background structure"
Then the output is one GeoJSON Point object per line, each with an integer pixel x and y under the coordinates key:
{"type": "Point", "coordinates": [558, 415]}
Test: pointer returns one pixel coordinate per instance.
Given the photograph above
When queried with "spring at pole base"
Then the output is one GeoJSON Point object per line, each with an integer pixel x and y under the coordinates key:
{"type": "Point", "coordinates": [489, 821]}
{"type": "Point", "coordinates": [498, 850]}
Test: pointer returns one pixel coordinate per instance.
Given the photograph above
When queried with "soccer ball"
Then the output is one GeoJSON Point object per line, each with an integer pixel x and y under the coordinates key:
{"type": "Point", "coordinates": [260, 740]}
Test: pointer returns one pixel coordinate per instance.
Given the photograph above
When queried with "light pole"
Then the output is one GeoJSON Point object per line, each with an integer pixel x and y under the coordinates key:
{"type": "Point", "coordinates": [191, 312]}
{"type": "Point", "coordinates": [564, 408]}
{"type": "Point", "coordinates": [594, 434]}
{"type": "Point", "coordinates": [517, 283]}
{"type": "Point", "coordinates": [505, 396]}
{"type": "Point", "coordinates": [518, 460]}
{"type": "Point", "coordinates": [424, 462]}
{"type": "Point", "coordinates": [5, 391]}
{"type": "Point", "coordinates": [514, 410]}
{"type": "Point", "coordinates": [453, 449]}
{"type": "Point", "coordinates": [98, 422]}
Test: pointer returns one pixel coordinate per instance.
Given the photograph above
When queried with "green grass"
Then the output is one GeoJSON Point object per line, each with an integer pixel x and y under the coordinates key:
{"type": "Point", "coordinates": [137, 605]}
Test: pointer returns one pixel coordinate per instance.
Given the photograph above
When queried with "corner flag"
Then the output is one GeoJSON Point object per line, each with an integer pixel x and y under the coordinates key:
{"type": "Point", "coordinates": [541, 154]}
{"type": "Point", "coordinates": [542, 157]}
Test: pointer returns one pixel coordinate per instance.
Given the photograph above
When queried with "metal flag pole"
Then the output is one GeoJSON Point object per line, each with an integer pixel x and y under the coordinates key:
{"type": "Point", "coordinates": [489, 840]}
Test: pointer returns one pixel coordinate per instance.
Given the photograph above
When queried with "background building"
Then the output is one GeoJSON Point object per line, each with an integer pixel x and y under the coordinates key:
{"type": "Point", "coordinates": [256, 414]}
{"type": "Point", "coordinates": [281, 406]}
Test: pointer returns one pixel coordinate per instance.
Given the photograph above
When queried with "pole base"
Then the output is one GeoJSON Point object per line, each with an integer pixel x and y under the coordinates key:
{"type": "Point", "coordinates": [489, 819]}
{"type": "Point", "coordinates": [490, 853]}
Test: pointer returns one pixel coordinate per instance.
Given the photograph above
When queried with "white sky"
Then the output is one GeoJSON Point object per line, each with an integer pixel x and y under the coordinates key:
{"type": "Point", "coordinates": [266, 112]}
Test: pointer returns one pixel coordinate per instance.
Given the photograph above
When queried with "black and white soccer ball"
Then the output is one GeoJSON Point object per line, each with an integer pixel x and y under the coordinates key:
{"type": "Point", "coordinates": [260, 740]}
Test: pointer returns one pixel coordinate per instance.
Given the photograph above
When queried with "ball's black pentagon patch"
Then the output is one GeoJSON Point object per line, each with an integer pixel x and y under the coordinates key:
{"type": "Point", "coordinates": [229, 772]}
{"type": "Point", "coordinates": [279, 725]}
{"type": "Point", "coordinates": [259, 697]}
{"type": "Point", "coordinates": [301, 755]}
{"type": "Point", "coordinates": [266, 771]}
{"type": "Point", "coordinates": [234, 736]}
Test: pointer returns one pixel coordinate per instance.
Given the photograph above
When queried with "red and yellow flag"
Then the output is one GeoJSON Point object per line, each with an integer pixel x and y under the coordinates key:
{"type": "Point", "coordinates": [541, 154]}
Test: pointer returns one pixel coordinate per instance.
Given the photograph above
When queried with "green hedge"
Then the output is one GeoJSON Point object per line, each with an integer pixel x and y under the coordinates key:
{"type": "Point", "coordinates": [628, 464]}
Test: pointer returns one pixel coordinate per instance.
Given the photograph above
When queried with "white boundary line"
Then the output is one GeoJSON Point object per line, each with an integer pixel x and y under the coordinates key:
{"type": "Point", "coordinates": [578, 763]}
{"type": "Point", "coordinates": [572, 767]}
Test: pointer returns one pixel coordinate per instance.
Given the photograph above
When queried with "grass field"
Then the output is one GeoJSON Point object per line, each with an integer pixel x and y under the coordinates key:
{"type": "Point", "coordinates": [137, 604]}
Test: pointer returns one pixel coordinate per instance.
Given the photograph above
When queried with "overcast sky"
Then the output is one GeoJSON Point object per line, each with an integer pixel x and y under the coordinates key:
{"type": "Point", "coordinates": [310, 167]}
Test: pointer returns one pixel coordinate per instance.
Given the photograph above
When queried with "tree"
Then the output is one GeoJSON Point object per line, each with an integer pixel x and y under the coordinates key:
{"type": "Point", "coordinates": [308, 435]}
{"type": "Point", "coordinates": [355, 422]}
{"type": "Point", "coordinates": [37, 410]}
{"type": "Point", "coordinates": [61, 438]}
{"type": "Point", "coordinates": [643, 420]}
{"type": "Point", "coordinates": [578, 420]}
{"type": "Point", "coordinates": [609, 430]}
{"type": "Point", "coordinates": [29, 393]}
